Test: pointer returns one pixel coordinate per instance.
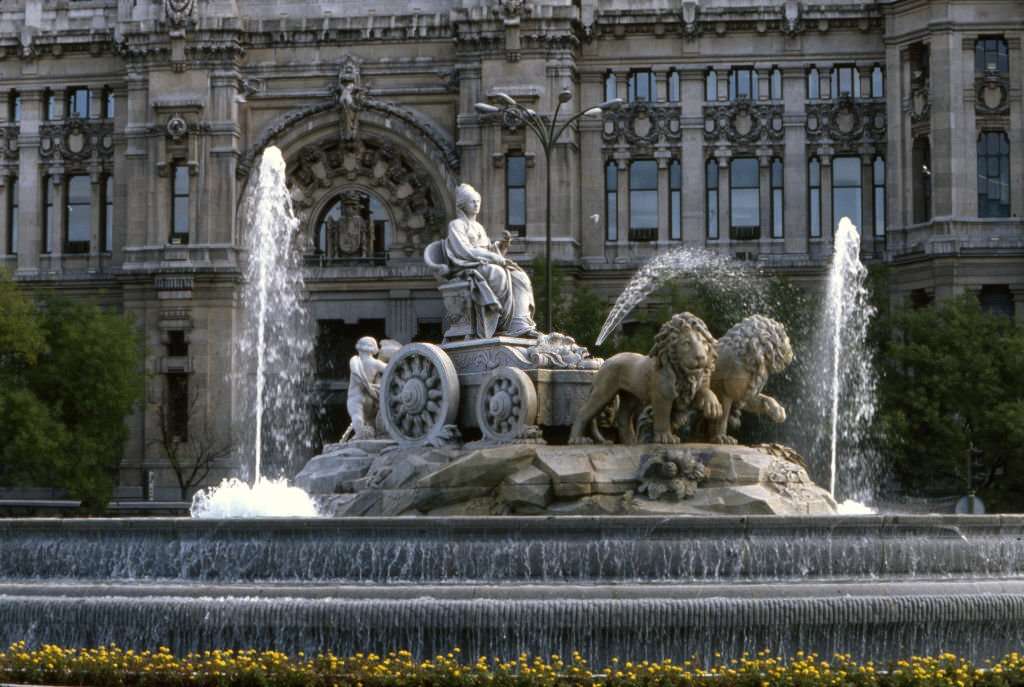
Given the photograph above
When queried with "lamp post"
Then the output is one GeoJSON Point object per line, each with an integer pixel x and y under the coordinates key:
{"type": "Point", "coordinates": [548, 133]}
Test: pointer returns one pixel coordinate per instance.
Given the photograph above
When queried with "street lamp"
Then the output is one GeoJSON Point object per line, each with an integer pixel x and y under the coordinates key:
{"type": "Point", "coordinates": [547, 132]}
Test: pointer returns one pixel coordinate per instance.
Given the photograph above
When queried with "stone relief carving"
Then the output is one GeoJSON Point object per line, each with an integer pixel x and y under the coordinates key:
{"type": "Point", "coordinates": [177, 128]}
{"type": "Point", "coordinates": [561, 352]}
{"type": "Point", "coordinates": [992, 91]}
{"type": "Point", "coordinates": [363, 399]}
{"type": "Point", "coordinates": [642, 124]}
{"type": "Point", "coordinates": [675, 476]}
{"type": "Point", "coordinates": [9, 141]}
{"type": "Point", "coordinates": [178, 13]}
{"type": "Point", "coordinates": [791, 24]}
{"type": "Point", "coordinates": [689, 14]}
{"type": "Point", "coordinates": [351, 97]}
{"type": "Point", "coordinates": [77, 140]}
{"type": "Point", "coordinates": [920, 102]}
{"type": "Point", "coordinates": [743, 123]}
{"type": "Point", "coordinates": [846, 122]}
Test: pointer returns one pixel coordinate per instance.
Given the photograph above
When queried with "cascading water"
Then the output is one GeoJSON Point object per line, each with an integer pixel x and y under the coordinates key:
{"type": "Point", "coordinates": [719, 271]}
{"type": "Point", "coordinates": [843, 389]}
{"type": "Point", "coordinates": [275, 349]}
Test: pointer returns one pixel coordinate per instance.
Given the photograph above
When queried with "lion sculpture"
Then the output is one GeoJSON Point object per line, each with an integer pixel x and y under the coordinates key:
{"type": "Point", "coordinates": [751, 350]}
{"type": "Point", "coordinates": [672, 378]}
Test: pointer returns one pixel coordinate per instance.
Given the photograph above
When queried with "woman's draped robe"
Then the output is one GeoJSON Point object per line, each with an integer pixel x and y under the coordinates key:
{"type": "Point", "coordinates": [501, 291]}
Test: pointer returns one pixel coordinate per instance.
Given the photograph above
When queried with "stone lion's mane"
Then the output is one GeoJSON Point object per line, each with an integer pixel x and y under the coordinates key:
{"type": "Point", "coordinates": [666, 351]}
{"type": "Point", "coordinates": [763, 346]}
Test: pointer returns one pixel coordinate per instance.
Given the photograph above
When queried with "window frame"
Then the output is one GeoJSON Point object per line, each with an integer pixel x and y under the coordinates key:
{"type": "Point", "coordinates": [878, 189]}
{"type": "Point", "coordinates": [642, 234]}
{"type": "Point", "coordinates": [777, 198]}
{"type": "Point", "coordinates": [1002, 55]}
{"type": "Point", "coordinates": [71, 95]}
{"type": "Point", "coordinates": [837, 71]}
{"type": "Point", "coordinates": [633, 80]}
{"type": "Point", "coordinates": [516, 229]}
{"type": "Point", "coordinates": [744, 232]}
{"type": "Point", "coordinates": [814, 197]}
{"type": "Point", "coordinates": [611, 201]}
{"type": "Point", "coordinates": [712, 220]}
{"type": "Point", "coordinates": [734, 73]}
{"type": "Point", "coordinates": [859, 219]}
{"type": "Point", "coordinates": [78, 247]}
{"type": "Point", "coordinates": [675, 199]}
{"type": "Point", "coordinates": [178, 238]}
{"type": "Point", "coordinates": [1003, 160]}
{"type": "Point", "coordinates": [13, 205]}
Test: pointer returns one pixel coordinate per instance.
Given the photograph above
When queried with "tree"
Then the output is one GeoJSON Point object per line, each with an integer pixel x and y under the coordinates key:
{"type": "Point", "coordinates": [951, 383]}
{"type": "Point", "coordinates": [193, 456]}
{"type": "Point", "coordinates": [70, 377]}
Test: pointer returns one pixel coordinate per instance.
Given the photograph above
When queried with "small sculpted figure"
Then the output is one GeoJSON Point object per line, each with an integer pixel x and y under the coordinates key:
{"type": "Point", "coordinates": [672, 378]}
{"type": "Point", "coordinates": [751, 350]}
{"type": "Point", "coordinates": [364, 388]}
{"type": "Point", "coordinates": [501, 291]}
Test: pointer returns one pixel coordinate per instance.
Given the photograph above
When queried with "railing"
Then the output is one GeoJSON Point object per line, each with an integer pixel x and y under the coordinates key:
{"type": "Point", "coordinates": [320, 260]}
{"type": "Point", "coordinates": [644, 234]}
{"type": "Point", "coordinates": [744, 233]}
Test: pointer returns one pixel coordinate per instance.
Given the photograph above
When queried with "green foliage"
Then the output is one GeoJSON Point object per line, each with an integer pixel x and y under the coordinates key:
{"type": "Point", "coordinates": [21, 337]}
{"type": "Point", "coordinates": [71, 384]}
{"type": "Point", "coordinates": [952, 381]}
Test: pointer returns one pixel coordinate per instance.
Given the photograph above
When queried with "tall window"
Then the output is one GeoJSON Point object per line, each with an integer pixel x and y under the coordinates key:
{"type": "Point", "coordinates": [77, 103]}
{"type": "Point", "coordinates": [643, 200]}
{"type": "Point", "coordinates": [611, 201]}
{"type": "Point", "coordinates": [177, 406]}
{"type": "Point", "coordinates": [515, 194]}
{"type": "Point", "coordinates": [813, 84]}
{"type": "Point", "coordinates": [922, 175]}
{"type": "Point", "coordinates": [108, 214]}
{"type": "Point", "coordinates": [640, 87]}
{"type": "Point", "coordinates": [675, 200]}
{"type": "Point", "coordinates": [610, 87]}
{"type": "Point", "coordinates": [776, 84]}
{"type": "Point", "coordinates": [49, 216]}
{"type": "Point", "coordinates": [846, 191]}
{"type": "Point", "coordinates": [79, 214]}
{"type": "Point", "coordinates": [179, 204]}
{"type": "Point", "coordinates": [109, 103]}
{"type": "Point", "coordinates": [711, 85]}
{"type": "Point", "coordinates": [877, 82]}
{"type": "Point", "coordinates": [744, 200]}
{"type": "Point", "coordinates": [879, 196]}
{"type": "Point", "coordinates": [845, 82]}
{"type": "Point", "coordinates": [12, 215]}
{"type": "Point", "coordinates": [13, 107]}
{"type": "Point", "coordinates": [777, 199]}
{"type": "Point", "coordinates": [711, 197]}
{"type": "Point", "coordinates": [991, 54]}
{"type": "Point", "coordinates": [673, 86]}
{"type": "Point", "coordinates": [50, 99]}
{"type": "Point", "coordinates": [814, 197]}
{"type": "Point", "coordinates": [742, 83]}
{"type": "Point", "coordinates": [993, 174]}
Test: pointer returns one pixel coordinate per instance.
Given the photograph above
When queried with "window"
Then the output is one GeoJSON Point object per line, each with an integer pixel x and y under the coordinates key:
{"type": "Point", "coordinates": [108, 214]}
{"type": "Point", "coordinates": [177, 406]}
{"type": "Point", "coordinates": [610, 87]}
{"type": "Point", "coordinates": [78, 103]}
{"type": "Point", "coordinates": [50, 98]}
{"type": "Point", "coordinates": [845, 82]}
{"type": "Point", "coordinates": [814, 197]}
{"type": "Point", "coordinates": [996, 299]}
{"type": "Point", "coordinates": [776, 84]}
{"type": "Point", "coordinates": [640, 87]}
{"type": "Point", "coordinates": [993, 174]}
{"type": "Point", "coordinates": [742, 83]}
{"type": "Point", "coordinates": [611, 201]}
{"type": "Point", "coordinates": [177, 344]}
{"type": "Point", "coordinates": [877, 82]}
{"type": "Point", "coordinates": [643, 200]}
{"type": "Point", "coordinates": [515, 194]}
{"type": "Point", "coordinates": [108, 103]}
{"type": "Point", "coordinates": [711, 197]}
{"type": "Point", "coordinates": [12, 215]}
{"type": "Point", "coordinates": [744, 200]}
{"type": "Point", "coordinates": [675, 200]}
{"type": "Point", "coordinates": [846, 191]}
{"type": "Point", "coordinates": [179, 204]}
{"type": "Point", "coordinates": [991, 54]}
{"type": "Point", "coordinates": [922, 156]}
{"type": "Point", "coordinates": [673, 86]}
{"type": "Point", "coordinates": [879, 196]}
{"type": "Point", "coordinates": [49, 216]}
{"type": "Point", "coordinates": [356, 225]}
{"type": "Point", "coordinates": [711, 86]}
{"type": "Point", "coordinates": [777, 199]}
{"type": "Point", "coordinates": [13, 106]}
{"type": "Point", "coordinates": [813, 84]}
{"type": "Point", "coordinates": [79, 214]}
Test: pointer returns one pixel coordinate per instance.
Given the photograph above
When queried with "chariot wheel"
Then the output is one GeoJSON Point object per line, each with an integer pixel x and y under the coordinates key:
{"type": "Point", "coordinates": [419, 394]}
{"type": "Point", "coordinates": [506, 404]}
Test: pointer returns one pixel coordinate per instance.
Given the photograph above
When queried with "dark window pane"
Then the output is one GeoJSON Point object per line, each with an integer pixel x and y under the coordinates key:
{"type": "Point", "coordinates": [12, 216]}
{"type": "Point", "coordinates": [643, 175]}
{"type": "Point", "coordinates": [108, 214]}
{"type": "Point", "coordinates": [79, 212]}
{"type": "Point", "coordinates": [515, 170]}
{"type": "Point", "coordinates": [79, 190]}
{"type": "Point", "coordinates": [643, 209]}
{"type": "Point", "coordinates": [612, 216]}
{"type": "Point", "coordinates": [745, 210]}
{"type": "Point", "coordinates": [638, 88]}
{"type": "Point", "coordinates": [879, 169]}
{"type": "Point", "coordinates": [744, 173]}
{"type": "Point", "coordinates": [110, 105]}
{"type": "Point", "coordinates": [879, 211]}
{"type": "Point", "coordinates": [611, 176]}
{"type": "Point", "coordinates": [675, 175]}
{"type": "Point", "coordinates": [78, 102]}
{"type": "Point", "coordinates": [711, 172]}
{"type": "Point", "coordinates": [993, 175]}
{"type": "Point", "coordinates": [815, 211]}
{"type": "Point", "coordinates": [517, 207]}
{"type": "Point", "coordinates": [777, 173]}
{"type": "Point", "coordinates": [181, 215]}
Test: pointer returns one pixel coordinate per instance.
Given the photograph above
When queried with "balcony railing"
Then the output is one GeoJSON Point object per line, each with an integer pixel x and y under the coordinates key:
{"type": "Point", "coordinates": [745, 233]}
{"type": "Point", "coordinates": [644, 234]}
{"type": "Point", "coordinates": [321, 260]}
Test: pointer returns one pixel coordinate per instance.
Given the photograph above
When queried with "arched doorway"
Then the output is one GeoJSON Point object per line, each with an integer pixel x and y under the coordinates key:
{"type": "Point", "coordinates": [354, 225]}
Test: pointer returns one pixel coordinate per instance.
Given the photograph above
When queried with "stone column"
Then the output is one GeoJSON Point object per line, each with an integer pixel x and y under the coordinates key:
{"type": "Point", "coordinates": [867, 194]}
{"type": "Point", "coordinates": [1016, 130]}
{"type": "Point", "coordinates": [967, 135]}
{"type": "Point", "coordinates": [623, 201]}
{"type": "Point", "coordinates": [218, 182]}
{"type": "Point", "coordinates": [5, 190]}
{"type": "Point", "coordinates": [764, 197]}
{"type": "Point", "coordinates": [828, 226]}
{"type": "Point", "coordinates": [30, 229]}
{"type": "Point", "coordinates": [724, 211]}
{"type": "Point", "coordinates": [691, 91]}
{"type": "Point", "coordinates": [590, 172]}
{"type": "Point", "coordinates": [96, 218]}
{"type": "Point", "coordinates": [663, 157]}
{"type": "Point", "coordinates": [795, 226]}
{"type": "Point", "coordinates": [945, 87]}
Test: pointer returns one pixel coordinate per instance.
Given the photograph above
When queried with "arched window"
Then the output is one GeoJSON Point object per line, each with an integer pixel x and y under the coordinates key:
{"type": "Point", "coordinates": [993, 174]}
{"type": "Point", "coordinates": [776, 84]}
{"type": "Point", "coordinates": [711, 197]}
{"type": "Point", "coordinates": [813, 84]}
{"type": "Point", "coordinates": [610, 86]}
{"type": "Point", "coordinates": [991, 53]}
{"type": "Point", "coordinates": [877, 82]}
{"type": "Point", "coordinates": [711, 85]}
{"type": "Point", "coordinates": [355, 226]}
{"type": "Point", "coordinates": [673, 86]}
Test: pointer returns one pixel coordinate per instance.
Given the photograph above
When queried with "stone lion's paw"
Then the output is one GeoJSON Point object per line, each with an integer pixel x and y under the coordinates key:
{"type": "Point", "coordinates": [776, 413]}
{"type": "Point", "coordinates": [665, 438]}
{"type": "Point", "coordinates": [709, 406]}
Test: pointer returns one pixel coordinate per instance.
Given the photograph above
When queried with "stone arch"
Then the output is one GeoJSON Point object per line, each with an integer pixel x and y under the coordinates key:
{"type": "Point", "coordinates": [328, 201]}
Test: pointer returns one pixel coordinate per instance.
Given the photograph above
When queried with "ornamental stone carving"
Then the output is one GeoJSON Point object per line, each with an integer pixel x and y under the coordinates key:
{"type": "Point", "coordinates": [992, 90]}
{"type": "Point", "coordinates": [9, 141]}
{"type": "Point", "coordinates": [178, 13]}
{"type": "Point", "coordinates": [77, 140]}
{"type": "Point", "coordinates": [743, 123]}
{"type": "Point", "coordinates": [351, 97]}
{"type": "Point", "coordinates": [847, 123]}
{"type": "Point", "coordinates": [642, 124]}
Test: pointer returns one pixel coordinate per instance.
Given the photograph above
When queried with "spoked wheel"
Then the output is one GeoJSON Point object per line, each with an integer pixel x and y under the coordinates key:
{"type": "Point", "coordinates": [506, 406]}
{"type": "Point", "coordinates": [419, 394]}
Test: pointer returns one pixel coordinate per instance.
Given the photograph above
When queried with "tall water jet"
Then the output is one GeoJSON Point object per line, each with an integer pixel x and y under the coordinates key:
{"type": "Point", "coordinates": [720, 271]}
{"type": "Point", "coordinates": [845, 402]}
{"type": "Point", "coordinates": [276, 345]}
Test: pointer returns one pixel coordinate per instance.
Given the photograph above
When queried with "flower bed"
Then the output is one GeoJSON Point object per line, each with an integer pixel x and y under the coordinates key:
{"type": "Point", "coordinates": [112, 667]}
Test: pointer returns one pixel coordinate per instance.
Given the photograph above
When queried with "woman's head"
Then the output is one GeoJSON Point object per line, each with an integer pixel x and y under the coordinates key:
{"type": "Point", "coordinates": [467, 199]}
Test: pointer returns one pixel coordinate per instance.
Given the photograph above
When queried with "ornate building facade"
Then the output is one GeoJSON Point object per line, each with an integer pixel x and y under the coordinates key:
{"type": "Point", "coordinates": [750, 127]}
